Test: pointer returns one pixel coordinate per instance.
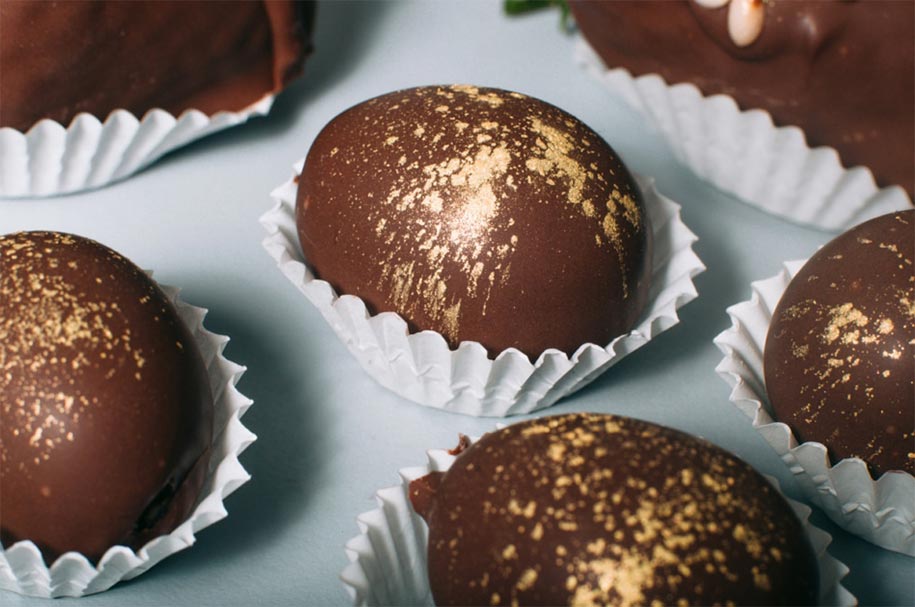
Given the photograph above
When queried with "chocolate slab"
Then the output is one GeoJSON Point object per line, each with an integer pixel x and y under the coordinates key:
{"type": "Point", "coordinates": [62, 58]}
{"type": "Point", "coordinates": [844, 72]}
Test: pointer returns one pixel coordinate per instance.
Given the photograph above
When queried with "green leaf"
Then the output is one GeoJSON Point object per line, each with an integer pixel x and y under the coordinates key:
{"type": "Point", "coordinates": [519, 7]}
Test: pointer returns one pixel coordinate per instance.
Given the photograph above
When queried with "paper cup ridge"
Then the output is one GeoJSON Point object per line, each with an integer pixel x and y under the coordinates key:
{"type": "Point", "coordinates": [422, 368]}
{"type": "Point", "coordinates": [22, 568]}
{"type": "Point", "coordinates": [744, 154]}
{"type": "Point", "coordinates": [881, 511]}
{"type": "Point", "coordinates": [51, 159]}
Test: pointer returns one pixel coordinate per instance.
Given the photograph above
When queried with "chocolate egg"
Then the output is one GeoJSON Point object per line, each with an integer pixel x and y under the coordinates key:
{"type": "Point", "coordinates": [844, 72]}
{"type": "Point", "coordinates": [94, 56]}
{"type": "Point", "coordinates": [106, 413]}
{"type": "Point", "coordinates": [589, 509]}
{"type": "Point", "coordinates": [840, 353]}
{"type": "Point", "coordinates": [482, 214]}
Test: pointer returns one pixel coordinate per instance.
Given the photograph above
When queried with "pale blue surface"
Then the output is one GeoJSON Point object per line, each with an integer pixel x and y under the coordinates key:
{"type": "Point", "coordinates": [328, 435]}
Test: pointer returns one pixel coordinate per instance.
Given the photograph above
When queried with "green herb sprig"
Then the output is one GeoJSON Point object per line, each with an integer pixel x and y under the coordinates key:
{"type": "Point", "coordinates": [519, 7]}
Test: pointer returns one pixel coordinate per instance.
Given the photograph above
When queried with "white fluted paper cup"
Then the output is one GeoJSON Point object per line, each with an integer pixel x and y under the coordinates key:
{"type": "Point", "coordinates": [422, 368]}
{"type": "Point", "coordinates": [388, 558]}
{"type": "Point", "coordinates": [52, 159]}
{"type": "Point", "coordinates": [744, 154]}
{"type": "Point", "coordinates": [882, 511]}
{"type": "Point", "coordinates": [22, 568]}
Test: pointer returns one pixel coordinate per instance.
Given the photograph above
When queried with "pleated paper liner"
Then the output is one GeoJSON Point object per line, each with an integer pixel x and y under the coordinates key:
{"type": "Point", "coordinates": [51, 159]}
{"type": "Point", "coordinates": [421, 367]}
{"type": "Point", "coordinates": [22, 568]}
{"type": "Point", "coordinates": [881, 511]}
{"type": "Point", "coordinates": [388, 557]}
{"type": "Point", "coordinates": [744, 154]}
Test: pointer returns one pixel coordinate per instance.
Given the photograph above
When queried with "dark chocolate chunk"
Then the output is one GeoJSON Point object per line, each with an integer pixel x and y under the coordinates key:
{"type": "Point", "coordinates": [840, 353]}
{"type": "Point", "coordinates": [844, 72]}
{"type": "Point", "coordinates": [62, 58]}
{"type": "Point", "coordinates": [482, 214]}
{"type": "Point", "coordinates": [106, 413]}
{"type": "Point", "coordinates": [588, 509]}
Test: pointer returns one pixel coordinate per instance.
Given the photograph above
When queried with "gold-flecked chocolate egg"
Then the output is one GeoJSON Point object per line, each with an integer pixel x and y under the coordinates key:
{"type": "Point", "coordinates": [106, 412]}
{"type": "Point", "coordinates": [589, 509]}
{"type": "Point", "coordinates": [840, 351]}
{"type": "Point", "coordinates": [483, 214]}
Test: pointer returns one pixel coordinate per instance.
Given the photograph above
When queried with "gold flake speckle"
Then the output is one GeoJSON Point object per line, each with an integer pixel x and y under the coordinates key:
{"type": "Point", "coordinates": [680, 510]}
{"type": "Point", "coordinates": [49, 325]}
{"type": "Point", "coordinates": [463, 168]}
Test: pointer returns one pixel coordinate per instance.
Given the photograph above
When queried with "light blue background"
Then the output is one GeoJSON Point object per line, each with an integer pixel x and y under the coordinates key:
{"type": "Point", "coordinates": [328, 435]}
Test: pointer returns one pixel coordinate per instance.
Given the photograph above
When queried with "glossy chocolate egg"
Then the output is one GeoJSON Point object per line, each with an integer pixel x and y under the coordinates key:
{"type": "Point", "coordinates": [840, 353]}
{"type": "Point", "coordinates": [106, 413]}
{"type": "Point", "coordinates": [589, 509]}
{"type": "Point", "coordinates": [482, 214]}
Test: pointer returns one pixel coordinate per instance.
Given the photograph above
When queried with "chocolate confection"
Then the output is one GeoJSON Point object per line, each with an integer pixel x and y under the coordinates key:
{"type": "Point", "coordinates": [844, 72]}
{"type": "Point", "coordinates": [62, 58]}
{"type": "Point", "coordinates": [588, 509]}
{"type": "Point", "coordinates": [840, 353]}
{"type": "Point", "coordinates": [482, 214]}
{"type": "Point", "coordinates": [105, 407]}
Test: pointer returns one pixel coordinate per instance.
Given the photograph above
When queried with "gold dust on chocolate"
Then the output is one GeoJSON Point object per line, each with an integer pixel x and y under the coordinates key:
{"type": "Point", "coordinates": [588, 509]}
{"type": "Point", "coordinates": [47, 327]}
{"type": "Point", "coordinates": [473, 212]}
{"type": "Point", "coordinates": [840, 353]}
{"type": "Point", "coordinates": [104, 400]}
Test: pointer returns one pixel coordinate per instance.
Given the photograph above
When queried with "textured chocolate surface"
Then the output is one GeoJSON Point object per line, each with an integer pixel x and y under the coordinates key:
{"type": "Point", "coordinates": [844, 72]}
{"type": "Point", "coordinates": [588, 509]}
{"type": "Point", "coordinates": [479, 213]}
{"type": "Point", "coordinates": [58, 59]}
{"type": "Point", "coordinates": [105, 406]}
{"type": "Point", "coordinates": [840, 353]}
